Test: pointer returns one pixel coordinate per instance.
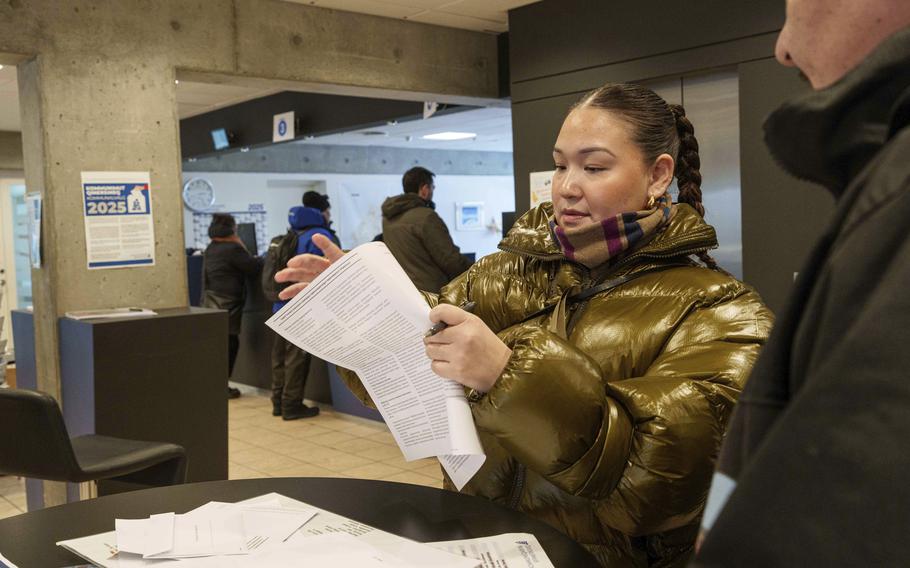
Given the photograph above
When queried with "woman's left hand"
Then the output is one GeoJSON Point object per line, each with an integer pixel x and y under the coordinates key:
{"type": "Point", "coordinates": [467, 351]}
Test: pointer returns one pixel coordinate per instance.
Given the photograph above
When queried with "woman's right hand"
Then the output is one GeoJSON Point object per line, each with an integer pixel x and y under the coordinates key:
{"type": "Point", "coordinates": [304, 268]}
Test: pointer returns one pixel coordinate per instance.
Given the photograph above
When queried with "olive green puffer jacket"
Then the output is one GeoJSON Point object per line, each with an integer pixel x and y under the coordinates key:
{"type": "Point", "coordinates": [610, 434]}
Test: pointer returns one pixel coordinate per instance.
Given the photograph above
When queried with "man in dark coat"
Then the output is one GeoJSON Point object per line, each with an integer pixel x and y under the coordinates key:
{"type": "Point", "coordinates": [417, 236]}
{"type": "Point", "coordinates": [815, 465]}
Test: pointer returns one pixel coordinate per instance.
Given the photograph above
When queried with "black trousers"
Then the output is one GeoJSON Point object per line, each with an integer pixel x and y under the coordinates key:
{"type": "Point", "coordinates": [290, 367]}
{"type": "Point", "coordinates": [233, 348]}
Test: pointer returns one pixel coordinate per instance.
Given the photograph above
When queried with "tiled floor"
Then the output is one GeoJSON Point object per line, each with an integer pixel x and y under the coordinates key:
{"type": "Point", "coordinates": [262, 445]}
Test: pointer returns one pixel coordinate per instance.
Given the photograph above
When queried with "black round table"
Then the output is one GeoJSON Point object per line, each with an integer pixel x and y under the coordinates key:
{"type": "Point", "coordinates": [420, 513]}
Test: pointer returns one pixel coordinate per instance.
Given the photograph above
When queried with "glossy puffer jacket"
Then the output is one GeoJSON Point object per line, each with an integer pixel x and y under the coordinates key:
{"type": "Point", "coordinates": [608, 430]}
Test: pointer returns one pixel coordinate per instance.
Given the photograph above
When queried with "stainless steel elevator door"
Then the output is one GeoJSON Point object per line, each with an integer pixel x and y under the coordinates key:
{"type": "Point", "coordinates": [712, 105]}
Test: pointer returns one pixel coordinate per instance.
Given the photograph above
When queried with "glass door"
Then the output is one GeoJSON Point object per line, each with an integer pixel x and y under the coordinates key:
{"type": "Point", "coordinates": [15, 272]}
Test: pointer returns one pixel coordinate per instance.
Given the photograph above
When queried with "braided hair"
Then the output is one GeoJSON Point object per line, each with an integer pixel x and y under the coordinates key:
{"type": "Point", "coordinates": [657, 128]}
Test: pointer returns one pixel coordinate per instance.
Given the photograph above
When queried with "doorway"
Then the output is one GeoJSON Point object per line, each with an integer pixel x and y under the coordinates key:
{"type": "Point", "coordinates": [15, 272]}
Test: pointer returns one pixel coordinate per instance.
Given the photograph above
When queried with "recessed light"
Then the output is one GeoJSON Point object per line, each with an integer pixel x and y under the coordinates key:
{"type": "Point", "coordinates": [176, 81]}
{"type": "Point", "coordinates": [1, 66]}
{"type": "Point", "coordinates": [450, 136]}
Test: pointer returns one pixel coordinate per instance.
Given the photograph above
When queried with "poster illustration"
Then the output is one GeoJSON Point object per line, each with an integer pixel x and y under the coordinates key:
{"type": "Point", "coordinates": [119, 229]}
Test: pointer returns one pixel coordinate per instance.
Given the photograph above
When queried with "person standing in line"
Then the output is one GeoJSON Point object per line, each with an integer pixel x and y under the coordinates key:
{"type": "Point", "coordinates": [416, 235]}
{"type": "Point", "coordinates": [290, 364]}
{"type": "Point", "coordinates": [226, 266]}
{"type": "Point", "coordinates": [320, 201]}
{"type": "Point", "coordinates": [813, 471]}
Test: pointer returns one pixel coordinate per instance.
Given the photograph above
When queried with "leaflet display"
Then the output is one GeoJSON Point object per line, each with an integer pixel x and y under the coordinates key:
{"type": "Point", "coordinates": [119, 228]}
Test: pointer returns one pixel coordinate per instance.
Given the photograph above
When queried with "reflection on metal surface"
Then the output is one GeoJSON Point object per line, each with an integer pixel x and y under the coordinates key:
{"type": "Point", "coordinates": [712, 105]}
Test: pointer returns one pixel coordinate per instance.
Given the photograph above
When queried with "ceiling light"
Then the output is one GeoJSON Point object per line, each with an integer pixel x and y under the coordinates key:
{"type": "Point", "coordinates": [176, 81]}
{"type": "Point", "coordinates": [450, 136]}
{"type": "Point", "coordinates": [1, 66]}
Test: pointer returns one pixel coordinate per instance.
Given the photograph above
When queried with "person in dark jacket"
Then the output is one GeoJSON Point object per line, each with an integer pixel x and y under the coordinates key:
{"type": "Point", "coordinates": [290, 364]}
{"type": "Point", "coordinates": [601, 415]}
{"type": "Point", "coordinates": [226, 266]}
{"type": "Point", "coordinates": [814, 468]}
{"type": "Point", "coordinates": [417, 236]}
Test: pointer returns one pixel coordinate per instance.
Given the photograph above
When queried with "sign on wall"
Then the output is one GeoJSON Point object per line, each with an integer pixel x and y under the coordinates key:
{"type": "Point", "coordinates": [33, 208]}
{"type": "Point", "coordinates": [541, 187]}
{"type": "Point", "coordinates": [283, 127]}
{"type": "Point", "coordinates": [119, 230]}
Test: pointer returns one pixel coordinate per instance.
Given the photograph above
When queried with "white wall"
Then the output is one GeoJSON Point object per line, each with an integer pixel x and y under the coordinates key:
{"type": "Point", "coordinates": [356, 201]}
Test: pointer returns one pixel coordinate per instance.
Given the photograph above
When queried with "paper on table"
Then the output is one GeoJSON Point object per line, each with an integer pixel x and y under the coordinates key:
{"type": "Point", "coordinates": [227, 528]}
{"type": "Point", "coordinates": [147, 537]}
{"type": "Point", "coordinates": [393, 547]}
{"type": "Point", "coordinates": [4, 563]}
{"type": "Point", "coordinates": [394, 551]}
{"type": "Point", "coordinates": [364, 314]}
{"type": "Point", "coordinates": [515, 550]}
{"type": "Point", "coordinates": [101, 550]}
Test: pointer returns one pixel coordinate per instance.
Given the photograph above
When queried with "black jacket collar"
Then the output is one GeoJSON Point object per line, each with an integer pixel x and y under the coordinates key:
{"type": "Point", "coordinates": [828, 136]}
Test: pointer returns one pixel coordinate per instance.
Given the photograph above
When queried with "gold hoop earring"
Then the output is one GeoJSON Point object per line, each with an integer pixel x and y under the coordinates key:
{"type": "Point", "coordinates": [651, 202]}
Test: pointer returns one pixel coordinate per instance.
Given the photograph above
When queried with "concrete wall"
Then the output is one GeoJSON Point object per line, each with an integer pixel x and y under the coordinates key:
{"type": "Point", "coordinates": [296, 157]}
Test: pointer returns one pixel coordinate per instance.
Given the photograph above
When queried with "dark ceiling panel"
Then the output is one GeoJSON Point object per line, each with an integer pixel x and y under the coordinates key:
{"type": "Point", "coordinates": [559, 36]}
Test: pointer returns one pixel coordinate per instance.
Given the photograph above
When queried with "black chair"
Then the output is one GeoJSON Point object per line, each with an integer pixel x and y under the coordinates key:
{"type": "Point", "coordinates": [34, 443]}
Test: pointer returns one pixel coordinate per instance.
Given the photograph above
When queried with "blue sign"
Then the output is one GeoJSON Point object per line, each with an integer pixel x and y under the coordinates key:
{"type": "Point", "coordinates": [116, 199]}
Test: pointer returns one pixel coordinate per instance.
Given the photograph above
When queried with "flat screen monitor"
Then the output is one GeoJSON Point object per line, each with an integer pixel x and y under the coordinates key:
{"type": "Point", "coordinates": [247, 234]}
{"type": "Point", "coordinates": [508, 219]}
{"type": "Point", "coordinates": [220, 138]}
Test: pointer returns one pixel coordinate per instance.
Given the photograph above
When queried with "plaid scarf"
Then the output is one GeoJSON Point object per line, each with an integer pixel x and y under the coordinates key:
{"type": "Point", "coordinates": [621, 233]}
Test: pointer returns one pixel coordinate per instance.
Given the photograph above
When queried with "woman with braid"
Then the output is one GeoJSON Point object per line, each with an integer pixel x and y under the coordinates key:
{"type": "Point", "coordinates": [606, 349]}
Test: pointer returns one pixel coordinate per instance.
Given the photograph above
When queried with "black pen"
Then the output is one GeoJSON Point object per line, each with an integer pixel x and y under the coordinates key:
{"type": "Point", "coordinates": [439, 326]}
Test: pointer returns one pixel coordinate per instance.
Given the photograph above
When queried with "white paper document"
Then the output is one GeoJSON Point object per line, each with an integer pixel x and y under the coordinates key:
{"type": "Point", "coordinates": [512, 550]}
{"type": "Point", "coordinates": [325, 540]}
{"type": "Point", "coordinates": [364, 314]}
{"type": "Point", "coordinates": [213, 529]}
{"type": "Point", "coordinates": [110, 313]}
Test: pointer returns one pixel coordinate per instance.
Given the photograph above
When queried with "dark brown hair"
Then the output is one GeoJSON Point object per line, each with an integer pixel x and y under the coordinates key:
{"type": "Point", "coordinates": [657, 128]}
{"type": "Point", "coordinates": [222, 226]}
{"type": "Point", "coordinates": [415, 178]}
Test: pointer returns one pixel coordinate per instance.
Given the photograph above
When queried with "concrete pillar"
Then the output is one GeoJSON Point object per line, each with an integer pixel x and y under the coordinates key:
{"type": "Point", "coordinates": [96, 115]}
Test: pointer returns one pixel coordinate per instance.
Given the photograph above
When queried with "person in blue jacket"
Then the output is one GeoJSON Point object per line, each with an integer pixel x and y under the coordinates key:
{"type": "Point", "coordinates": [290, 364]}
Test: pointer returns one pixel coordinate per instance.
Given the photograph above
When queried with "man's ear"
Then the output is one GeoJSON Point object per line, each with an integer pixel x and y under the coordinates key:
{"type": "Point", "coordinates": [661, 175]}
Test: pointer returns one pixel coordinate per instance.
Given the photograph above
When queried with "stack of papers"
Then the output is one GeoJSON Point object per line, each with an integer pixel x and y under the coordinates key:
{"type": "Point", "coordinates": [211, 530]}
{"type": "Point", "coordinates": [276, 531]}
{"type": "Point", "coordinates": [364, 313]}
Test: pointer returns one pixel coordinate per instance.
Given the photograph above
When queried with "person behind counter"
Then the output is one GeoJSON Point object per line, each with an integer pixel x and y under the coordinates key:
{"type": "Point", "coordinates": [225, 267]}
{"type": "Point", "coordinates": [606, 349]}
